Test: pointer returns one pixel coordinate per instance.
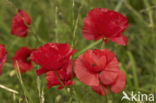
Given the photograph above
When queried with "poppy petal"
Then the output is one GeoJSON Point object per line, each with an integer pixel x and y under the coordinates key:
{"type": "Point", "coordinates": [99, 90]}
{"type": "Point", "coordinates": [21, 57]}
{"type": "Point", "coordinates": [52, 56]}
{"type": "Point", "coordinates": [83, 74]}
{"type": "Point", "coordinates": [121, 40]}
{"type": "Point", "coordinates": [108, 77]}
{"type": "Point", "coordinates": [101, 22]}
{"type": "Point", "coordinates": [119, 83]}
{"type": "Point", "coordinates": [51, 79]}
{"type": "Point", "coordinates": [3, 56]}
{"type": "Point", "coordinates": [41, 71]}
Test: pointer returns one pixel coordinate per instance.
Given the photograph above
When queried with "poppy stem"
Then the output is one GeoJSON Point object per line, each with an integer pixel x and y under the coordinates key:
{"type": "Point", "coordinates": [102, 44]}
{"type": "Point", "coordinates": [103, 89]}
{"type": "Point", "coordinates": [88, 47]}
{"type": "Point", "coordinates": [70, 99]}
{"type": "Point", "coordinates": [59, 79]}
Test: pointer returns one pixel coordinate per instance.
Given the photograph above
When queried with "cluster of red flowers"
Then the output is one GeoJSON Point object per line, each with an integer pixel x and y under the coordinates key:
{"type": "Point", "coordinates": [54, 59]}
{"type": "Point", "coordinates": [96, 68]}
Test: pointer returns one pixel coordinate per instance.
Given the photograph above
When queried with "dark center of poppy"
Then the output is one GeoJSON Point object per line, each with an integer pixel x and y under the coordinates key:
{"type": "Point", "coordinates": [93, 65]}
{"type": "Point", "coordinates": [27, 58]}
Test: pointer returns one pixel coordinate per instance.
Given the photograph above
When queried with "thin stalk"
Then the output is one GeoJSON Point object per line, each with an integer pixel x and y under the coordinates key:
{"type": "Point", "coordinates": [59, 79]}
{"type": "Point", "coordinates": [36, 36]}
{"type": "Point", "coordinates": [103, 90]}
{"type": "Point", "coordinates": [88, 47]}
{"type": "Point", "coordinates": [75, 26]}
{"type": "Point", "coordinates": [103, 43]}
{"type": "Point", "coordinates": [27, 94]}
{"type": "Point", "coordinates": [150, 13]}
{"type": "Point", "coordinates": [133, 65]}
{"type": "Point", "coordinates": [136, 13]}
{"type": "Point", "coordinates": [63, 86]}
{"type": "Point", "coordinates": [56, 24]}
{"type": "Point", "coordinates": [74, 35]}
{"type": "Point", "coordinates": [117, 8]}
{"type": "Point", "coordinates": [8, 89]}
{"type": "Point", "coordinates": [127, 77]}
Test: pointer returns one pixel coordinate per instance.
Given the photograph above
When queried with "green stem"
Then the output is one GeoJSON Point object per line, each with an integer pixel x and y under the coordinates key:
{"type": "Point", "coordinates": [127, 76]}
{"type": "Point", "coordinates": [59, 79]}
{"type": "Point", "coordinates": [56, 24]}
{"type": "Point", "coordinates": [103, 90]}
{"type": "Point", "coordinates": [136, 13]}
{"type": "Point", "coordinates": [88, 47]}
{"type": "Point", "coordinates": [63, 86]}
{"type": "Point", "coordinates": [134, 70]}
{"type": "Point", "coordinates": [117, 8]}
{"type": "Point", "coordinates": [26, 93]}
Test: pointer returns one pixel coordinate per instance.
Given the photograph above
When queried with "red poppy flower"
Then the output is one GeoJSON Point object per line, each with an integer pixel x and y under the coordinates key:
{"type": "Point", "coordinates": [3, 56]}
{"type": "Point", "coordinates": [92, 66]}
{"type": "Point", "coordinates": [101, 22]}
{"type": "Point", "coordinates": [51, 57]}
{"type": "Point", "coordinates": [65, 75]}
{"type": "Point", "coordinates": [21, 58]}
{"type": "Point", "coordinates": [20, 23]}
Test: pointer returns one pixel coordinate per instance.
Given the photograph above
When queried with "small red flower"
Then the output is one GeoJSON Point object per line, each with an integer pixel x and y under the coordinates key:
{"type": "Point", "coordinates": [20, 23]}
{"type": "Point", "coordinates": [101, 22]}
{"type": "Point", "coordinates": [65, 75]}
{"type": "Point", "coordinates": [3, 56]}
{"type": "Point", "coordinates": [21, 58]}
{"type": "Point", "coordinates": [51, 57]}
{"type": "Point", "coordinates": [92, 66]}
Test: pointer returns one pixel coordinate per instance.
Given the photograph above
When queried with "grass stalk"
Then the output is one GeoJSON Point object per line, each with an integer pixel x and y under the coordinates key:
{"type": "Point", "coordinates": [26, 93]}
{"type": "Point", "coordinates": [8, 89]}
{"type": "Point", "coordinates": [127, 77]}
{"type": "Point", "coordinates": [134, 71]}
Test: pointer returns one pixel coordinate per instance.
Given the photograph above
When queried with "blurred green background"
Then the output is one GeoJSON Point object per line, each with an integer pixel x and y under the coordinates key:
{"type": "Point", "coordinates": [62, 21]}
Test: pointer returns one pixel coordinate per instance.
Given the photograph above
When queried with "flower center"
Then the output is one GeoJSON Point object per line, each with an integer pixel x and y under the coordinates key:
{"type": "Point", "coordinates": [27, 58]}
{"type": "Point", "coordinates": [93, 65]}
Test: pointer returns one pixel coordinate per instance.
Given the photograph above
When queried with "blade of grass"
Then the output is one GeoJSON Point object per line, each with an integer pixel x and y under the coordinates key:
{"type": "Point", "coordinates": [42, 96]}
{"type": "Point", "coordinates": [56, 24]}
{"type": "Point", "coordinates": [117, 8]}
{"type": "Point", "coordinates": [127, 77]}
{"type": "Point", "coordinates": [39, 87]}
{"type": "Point", "coordinates": [136, 13]}
{"type": "Point", "coordinates": [8, 89]}
{"type": "Point", "coordinates": [26, 93]}
{"type": "Point", "coordinates": [150, 13]}
{"type": "Point", "coordinates": [134, 71]}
